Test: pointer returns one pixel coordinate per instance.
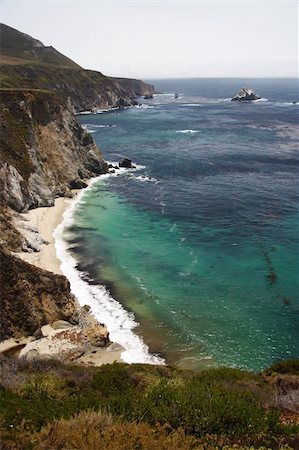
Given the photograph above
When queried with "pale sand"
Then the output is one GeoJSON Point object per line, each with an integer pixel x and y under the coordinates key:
{"type": "Point", "coordinates": [46, 219]}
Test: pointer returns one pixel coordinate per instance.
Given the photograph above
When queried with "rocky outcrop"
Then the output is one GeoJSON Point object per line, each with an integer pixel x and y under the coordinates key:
{"type": "Point", "coordinates": [83, 89]}
{"type": "Point", "coordinates": [126, 163]}
{"type": "Point", "coordinates": [246, 95]}
{"type": "Point", "coordinates": [44, 151]}
{"type": "Point", "coordinates": [31, 297]}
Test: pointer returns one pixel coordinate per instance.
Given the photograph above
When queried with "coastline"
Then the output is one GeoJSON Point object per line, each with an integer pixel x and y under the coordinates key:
{"type": "Point", "coordinates": [46, 249]}
{"type": "Point", "coordinates": [60, 340]}
{"type": "Point", "coordinates": [45, 220]}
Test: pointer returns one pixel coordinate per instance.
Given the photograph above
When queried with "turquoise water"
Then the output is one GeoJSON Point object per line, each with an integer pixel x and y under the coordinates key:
{"type": "Point", "coordinates": [201, 241]}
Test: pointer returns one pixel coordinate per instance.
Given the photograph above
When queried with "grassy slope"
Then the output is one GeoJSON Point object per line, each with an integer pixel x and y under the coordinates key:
{"type": "Point", "coordinates": [141, 407]}
{"type": "Point", "coordinates": [15, 44]}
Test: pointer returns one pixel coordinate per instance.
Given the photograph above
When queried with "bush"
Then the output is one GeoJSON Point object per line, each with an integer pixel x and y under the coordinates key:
{"type": "Point", "coordinates": [226, 403]}
{"type": "Point", "coordinates": [290, 367]}
{"type": "Point", "coordinates": [90, 430]}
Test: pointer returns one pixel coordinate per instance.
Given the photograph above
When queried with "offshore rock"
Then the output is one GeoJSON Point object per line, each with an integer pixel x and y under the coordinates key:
{"type": "Point", "coordinates": [127, 163]}
{"type": "Point", "coordinates": [246, 95]}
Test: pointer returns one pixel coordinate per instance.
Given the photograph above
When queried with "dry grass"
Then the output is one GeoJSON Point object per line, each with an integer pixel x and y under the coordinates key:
{"type": "Point", "coordinates": [91, 430]}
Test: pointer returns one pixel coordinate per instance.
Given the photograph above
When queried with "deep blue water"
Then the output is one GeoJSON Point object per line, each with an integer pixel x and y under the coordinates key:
{"type": "Point", "coordinates": [201, 242]}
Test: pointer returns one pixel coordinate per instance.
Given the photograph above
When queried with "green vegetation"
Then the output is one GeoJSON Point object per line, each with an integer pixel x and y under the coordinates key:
{"type": "Point", "coordinates": [284, 367]}
{"type": "Point", "coordinates": [46, 404]}
{"type": "Point", "coordinates": [20, 45]}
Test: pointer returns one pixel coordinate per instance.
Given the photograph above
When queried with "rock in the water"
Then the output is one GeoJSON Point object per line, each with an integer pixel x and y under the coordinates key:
{"type": "Point", "coordinates": [245, 95]}
{"type": "Point", "coordinates": [148, 97]}
{"type": "Point", "coordinates": [126, 162]}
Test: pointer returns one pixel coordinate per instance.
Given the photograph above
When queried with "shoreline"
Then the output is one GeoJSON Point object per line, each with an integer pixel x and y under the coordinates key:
{"type": "Point", "coordinates": [47, 250]}
{"type": "Point", "coordinates": [38, 227]}
{"type": "Point", "coordinates": [45, 220]}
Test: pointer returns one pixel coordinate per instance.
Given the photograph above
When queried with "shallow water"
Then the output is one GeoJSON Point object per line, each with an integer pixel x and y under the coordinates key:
{"type": "Point", "coordinates": [201, 241]}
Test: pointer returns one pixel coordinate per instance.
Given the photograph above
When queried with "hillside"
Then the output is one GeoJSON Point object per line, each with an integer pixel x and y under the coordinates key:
{"type": "Point", "coordinates": [28, 64]}
{"type": "Point", "coordinates": [15, 44]}
{"type": "Point", "coordinates": [48, 405]}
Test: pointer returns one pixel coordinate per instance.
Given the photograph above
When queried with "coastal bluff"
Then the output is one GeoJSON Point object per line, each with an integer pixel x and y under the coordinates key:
{"type": "Point", "coordinates": [45, 153]}
{"type": "Point", "coordinates": [28, 64]}
{"type": "Point", "coordinates": [44, 150]}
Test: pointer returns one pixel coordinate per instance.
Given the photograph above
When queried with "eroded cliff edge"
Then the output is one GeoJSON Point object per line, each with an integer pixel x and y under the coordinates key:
{"type": "Point", "coordinates": [44, 154]}
{"type": "Point", "coordinates": [44, 150]}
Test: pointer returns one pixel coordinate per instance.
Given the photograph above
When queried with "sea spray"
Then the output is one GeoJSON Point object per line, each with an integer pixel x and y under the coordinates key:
{"type": "Point", "coordinates": [105, 308]}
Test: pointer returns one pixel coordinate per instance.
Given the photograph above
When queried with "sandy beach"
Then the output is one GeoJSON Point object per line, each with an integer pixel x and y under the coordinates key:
{"type": "Point", "coordinates": [38, 226]}
{"type": "Point", "coordinates": [45, 220]}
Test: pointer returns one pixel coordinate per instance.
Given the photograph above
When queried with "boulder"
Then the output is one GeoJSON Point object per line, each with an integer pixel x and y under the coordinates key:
{"type": "Point", "coordinates": [148, 97]}
{"type": "Point", "coordinates": [77, 183]}
{"type": "Point", "coordinates": [97, 335]}
{"type": "Point", "coordinates": [246, 95]}
{"type": "Point", "coordinates": [126, 162]}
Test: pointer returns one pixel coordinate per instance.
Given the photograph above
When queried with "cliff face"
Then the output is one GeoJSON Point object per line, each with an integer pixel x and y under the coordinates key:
{"type": "Point", "coordinates": [28, 64]}
{"type": "Point", "coordinates": [44, 150]}
{"type": "Point", "coordinates": [44, 153]}
{"type": "Point", "coordinates": [31, 297]}
{"type": "Point", "coordinates": [84, 89]}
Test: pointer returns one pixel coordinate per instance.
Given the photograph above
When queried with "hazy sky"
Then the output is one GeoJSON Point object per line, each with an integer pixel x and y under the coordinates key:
{"type": "Point", "coordinates": [166, 38]}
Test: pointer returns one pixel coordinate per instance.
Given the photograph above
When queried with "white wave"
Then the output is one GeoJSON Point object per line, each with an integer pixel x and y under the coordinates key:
{"type": "Point", "coordinates": [83, 113]}
{"type": "Point", "coordinates": [173, 227]}
{"type": "Point", "coordinates": [124, 170]}
{"type": "Point", "coordinates": [102, 111]}
{"type": "Point", "coordinates": [143, 178]}
{"type": "Point", "coordinates": [99, 126]}
{"type": "Point", "coordinates": [168, 94]}
{"type": "Point", "coordinates": [191, 104]}
{"type": "Point", "coordinates": [187, 131]}
{"type": "Point", "coordinates": [105, 308]}
{"type": "Point", "coordinates": [144, 106]}
{"type": "Point", "coordinates": [97, 111]}
{"type": "Point", "coordinates": [286, 104]}
{"type": "Point", "coordinates": [260, 100]}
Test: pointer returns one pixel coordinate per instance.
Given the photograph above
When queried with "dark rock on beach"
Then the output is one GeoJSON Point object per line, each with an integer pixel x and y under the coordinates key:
{"type": "Point", "coordinates": [246, 95]}
{"type": "Point", "coordinates": [77, 184]}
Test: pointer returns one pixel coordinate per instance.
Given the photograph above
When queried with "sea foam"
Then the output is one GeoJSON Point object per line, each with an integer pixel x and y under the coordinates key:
{"type": "Point", "coordinates": [187, 131]}
{"type": "Point", "coordinates": [105, 308]}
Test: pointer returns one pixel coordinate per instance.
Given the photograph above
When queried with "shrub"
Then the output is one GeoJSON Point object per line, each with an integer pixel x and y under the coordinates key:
{"type": "Point", "coordinates": [90, 430]}
{"type": "Point", "coordinates": [290, 366]}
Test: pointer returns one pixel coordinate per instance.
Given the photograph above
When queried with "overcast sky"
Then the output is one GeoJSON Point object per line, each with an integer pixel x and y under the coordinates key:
{"type": "Point", "coordinates": [166, 38]}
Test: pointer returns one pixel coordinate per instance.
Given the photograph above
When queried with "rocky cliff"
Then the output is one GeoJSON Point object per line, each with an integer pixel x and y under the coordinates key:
{"type": "Point", "coordinates": [44, 153]}
{"type": "Point", "coordinates": [84, 89]}
{"type": "Point", "coordinates": [44, 150]}
{"type": "Point", "coordinates": [31, 297]}
{"type": "Point", "coordinates": [28, 64]}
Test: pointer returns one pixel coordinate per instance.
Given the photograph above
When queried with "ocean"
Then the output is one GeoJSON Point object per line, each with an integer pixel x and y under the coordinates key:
{"type": "Point", "coordinates": [192, 257]}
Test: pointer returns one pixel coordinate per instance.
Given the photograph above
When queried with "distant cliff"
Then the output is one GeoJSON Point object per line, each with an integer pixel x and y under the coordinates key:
{"type": "Point", "coordinates": [28, 64]}
{"type": "Point", "coordinates": [84, 89]}
{"type": "Point", "coordinates": [44, 151]}
{"type": "Point", "coordinates": [18, 47]}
